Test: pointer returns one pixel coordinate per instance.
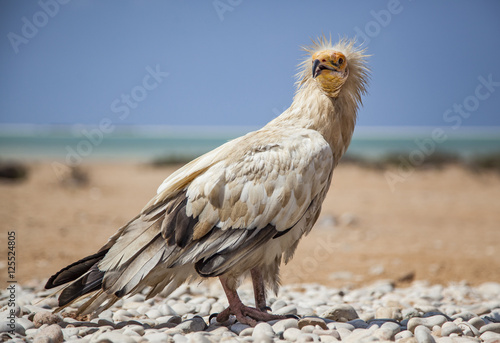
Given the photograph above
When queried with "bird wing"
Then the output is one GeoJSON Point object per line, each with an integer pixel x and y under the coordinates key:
{"type": "Point", "coordinates": [217, 210]}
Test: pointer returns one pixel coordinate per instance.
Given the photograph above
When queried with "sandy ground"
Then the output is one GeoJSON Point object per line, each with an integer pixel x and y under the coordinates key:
{"type": "Point", "coordinates": [438, 225]}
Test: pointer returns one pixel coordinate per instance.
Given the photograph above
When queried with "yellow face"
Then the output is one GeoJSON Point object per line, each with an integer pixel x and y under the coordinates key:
{"type": "Point", "coordinates": [329, 69]}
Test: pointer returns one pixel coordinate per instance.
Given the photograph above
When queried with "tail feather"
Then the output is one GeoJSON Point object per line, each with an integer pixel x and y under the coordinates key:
{"type": "Point", "coordinates": [90, 282]}
{"type": "Point", "coordinates": [74, 270]}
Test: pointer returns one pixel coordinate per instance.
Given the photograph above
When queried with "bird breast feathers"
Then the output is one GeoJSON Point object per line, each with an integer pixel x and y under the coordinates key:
{"type": "Point", "coordinates": [266, 177]}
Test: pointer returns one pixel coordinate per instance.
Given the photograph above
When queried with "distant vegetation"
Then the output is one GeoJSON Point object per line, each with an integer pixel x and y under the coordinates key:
{"type": "Point", "coordinates": [436, 160]}
{"type": "Point", "coordinates": [13, 171]}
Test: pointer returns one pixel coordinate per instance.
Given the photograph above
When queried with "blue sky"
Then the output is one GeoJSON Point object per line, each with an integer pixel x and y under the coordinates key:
{"type": "Point", "coordinates": [232, 62]}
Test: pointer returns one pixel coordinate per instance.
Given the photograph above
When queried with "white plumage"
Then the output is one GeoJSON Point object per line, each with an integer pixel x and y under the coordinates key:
{"type": "Point", "coordinates": [241, 208]}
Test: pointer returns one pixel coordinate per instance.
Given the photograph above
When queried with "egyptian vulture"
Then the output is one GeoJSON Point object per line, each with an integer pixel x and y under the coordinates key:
{"type": "Point", "coordinates": [240, 209]}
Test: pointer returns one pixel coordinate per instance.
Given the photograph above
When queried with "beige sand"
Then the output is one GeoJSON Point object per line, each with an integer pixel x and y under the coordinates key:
{"type": "Point", "coordinates": [439, 225]}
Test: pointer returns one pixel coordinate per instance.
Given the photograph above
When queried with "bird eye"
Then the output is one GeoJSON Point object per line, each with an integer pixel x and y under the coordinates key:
{"type": "Point", "coordinates": [341, 61]}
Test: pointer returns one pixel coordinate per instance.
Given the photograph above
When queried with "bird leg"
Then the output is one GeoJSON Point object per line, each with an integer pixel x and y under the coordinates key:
{"type": "Point", "coordinates": [259, 291]}
{"type": "Point", "coordinates": [244, 314]}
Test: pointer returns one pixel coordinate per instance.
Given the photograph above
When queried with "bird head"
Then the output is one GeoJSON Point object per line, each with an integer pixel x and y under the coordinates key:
{"type": "Point", "coordinates": [338, 70]}
{"type": "Point", "coordinates": [329, 69]}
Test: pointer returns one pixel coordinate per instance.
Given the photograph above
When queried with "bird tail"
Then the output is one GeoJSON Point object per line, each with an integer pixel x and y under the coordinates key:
{"type": "Point", "coordinates": [86, 277]}
{"type": "Point", "coordinates": [134, 258]}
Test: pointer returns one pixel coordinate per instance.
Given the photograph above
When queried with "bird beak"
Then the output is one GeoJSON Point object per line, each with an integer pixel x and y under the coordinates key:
{"type": "Point", "coordinates": [318, 67]}
{"type": "Point", "coordinates": [315, 70]}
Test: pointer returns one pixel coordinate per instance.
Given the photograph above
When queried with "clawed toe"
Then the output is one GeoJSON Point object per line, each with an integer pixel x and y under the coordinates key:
{"type": "Point", "coordinates": [248, 315]}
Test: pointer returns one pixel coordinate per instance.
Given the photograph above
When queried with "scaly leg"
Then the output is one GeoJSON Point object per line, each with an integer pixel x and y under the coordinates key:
{"type": "Point", "coordinates": [244, 314]}
{"type": "Point", "coordinates": [258, 290]}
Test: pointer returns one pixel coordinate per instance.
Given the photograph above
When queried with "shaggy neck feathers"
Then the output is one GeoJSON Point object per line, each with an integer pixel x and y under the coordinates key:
{"type": "Point", "coordinates": [333, 118]}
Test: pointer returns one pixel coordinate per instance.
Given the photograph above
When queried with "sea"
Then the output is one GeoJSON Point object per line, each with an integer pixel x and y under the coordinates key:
{"type": "Point", "coordinates": [78, 143]}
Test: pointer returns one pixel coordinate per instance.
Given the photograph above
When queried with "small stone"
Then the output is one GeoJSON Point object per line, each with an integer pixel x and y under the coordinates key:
{"type": "Point", "coordinates": [52, 332]}
{"type": "Point", "coordinates": [157, 337]}
{"type": "Point", "coordinates": [192, 325]}
{"type": "Point", "coordinates": [122, 316]}
{"type": "Point", "coordinates": [395, 328]}
{"type": "Point", "coordinates": [291, 334]}
{"type": "Point", "coordinates": [477, 322]}
{"type": "Point", "coordinates": [493, 327]}
{"type": "Point", "coordinates": [308, 329]}
{"type": "Point", "coordinates": [466, 316]}
{"type": "Point", "coordinates": [490, 289]}
{"type": "Point", "coordinates": [45, 317]}
{"type": "Point", "coordinates": [198, 337]}
{"type": "Point", "coordinates": [69, 332]}
{"type": "Point", "coordinates": [246, 332]}
{"type": "Point", "coordinates": [105, 322]}
{"type": "Point", "coordinates": [468, 329]}
{"type": "Point", "coordinates": [204, 309]}
{"type": "Point", "coordinates": [277, 305]}
{"type": "Point", "coordinates": [182, 308]}
{"type": "Point", "coordinates": [428, 322]}
{"type": "Point", "coordinates": [290, 309]}
{"type": "Point", "coordinates": [26, 323]}
{"type": "Point", "coordinates": [137, 328]}
{"type": "Point", "coordinates": [178, 338]}
{"type": "Point", "coordinates": [167, 310]}
{"type": "Point", "coordinates": [153, 313]}
{"type": "Point", "coordinates": [262, 330]}
{"type": "Point", "coordinates": [307, 337]}
{"type": "Point", "coordinates": [409, 313]}
{"type": "Point", "coordinates": [449, 327]}
{"type": "Point", "coordinates": [388, 313]}
{"type": "Point", "coordinates": [169, 320]}
{"type": "Point", "coordinates": [340, 325]}
{"type": "Point", "coordinates": [359, 335]}
{"type": "Point", "coordinates": [312, 321]}
{"type": "Point", "coordinates": [107, 314]}
{"type": "Point", "coordinates": [383, 334]}
{"type": "Point", "coordinates": [321, 332]}
{"type": "Point", "coordinates": [341, 313]}
{"type": "Point", "coordinates": [328, 339]}
{"type": "Point", "coordinates": [344, 333]}
{"type": "Point", "coordinates": [237, 328]}
{"type": "Point", "coordinates": [358, 323]}
{"type": "Point", "coordinates": [403, 334]}
{"type": "Point", "coordinates": [115, 337]}
{"type": "Point", "coordinates": [490, 336]}
{"type": "Point", "coordinates": [8, 326]}
{"type": "Point", "coordinates": [131, 333]}
{"type": "Point", "coordinates": [282, 325]}
{"type": "Point", "coordinates": [423, 334]}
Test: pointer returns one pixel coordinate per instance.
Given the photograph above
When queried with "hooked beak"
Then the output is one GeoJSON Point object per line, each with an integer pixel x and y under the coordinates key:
{"type": "Point", "coordinates": [318, 67]}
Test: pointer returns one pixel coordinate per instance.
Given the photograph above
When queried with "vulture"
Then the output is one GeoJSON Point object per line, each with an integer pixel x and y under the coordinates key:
{"type": "Point", "coordinates": [239, 210]}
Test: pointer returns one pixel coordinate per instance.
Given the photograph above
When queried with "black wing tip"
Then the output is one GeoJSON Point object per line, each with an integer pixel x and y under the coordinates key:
{"type": "Point", "coordinates": [88, 284]}
{"type": "Point", "coordinates": [74, 270]}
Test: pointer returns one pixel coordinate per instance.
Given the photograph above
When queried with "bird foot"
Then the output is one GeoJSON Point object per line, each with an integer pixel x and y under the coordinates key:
{"type": "Point", "coordinates": [247, 315]}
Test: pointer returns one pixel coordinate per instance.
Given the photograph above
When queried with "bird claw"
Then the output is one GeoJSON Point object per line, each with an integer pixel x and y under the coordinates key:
{"type": "Point", "coordinates": [213, 315]}
{"type": "Point", "coordinates": [292, 316]}
{"type": "Point", "coordinates": [247, 315]}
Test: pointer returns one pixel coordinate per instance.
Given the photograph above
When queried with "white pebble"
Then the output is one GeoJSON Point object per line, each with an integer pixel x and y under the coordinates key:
{"type": "Point", "coordinates": [291, 334]}
{"type": "Point", "coordinates": [261, 330]}
{"type": "Point", "coordinates": [423, 334]}
{"type": "Point", "coordinates": [282, 325]}
{"type": "Point", "coordinates": [428, 322]}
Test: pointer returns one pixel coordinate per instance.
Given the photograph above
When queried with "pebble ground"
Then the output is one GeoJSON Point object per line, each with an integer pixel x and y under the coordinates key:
{"type": "Point", "coordinates": [421, 313]}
